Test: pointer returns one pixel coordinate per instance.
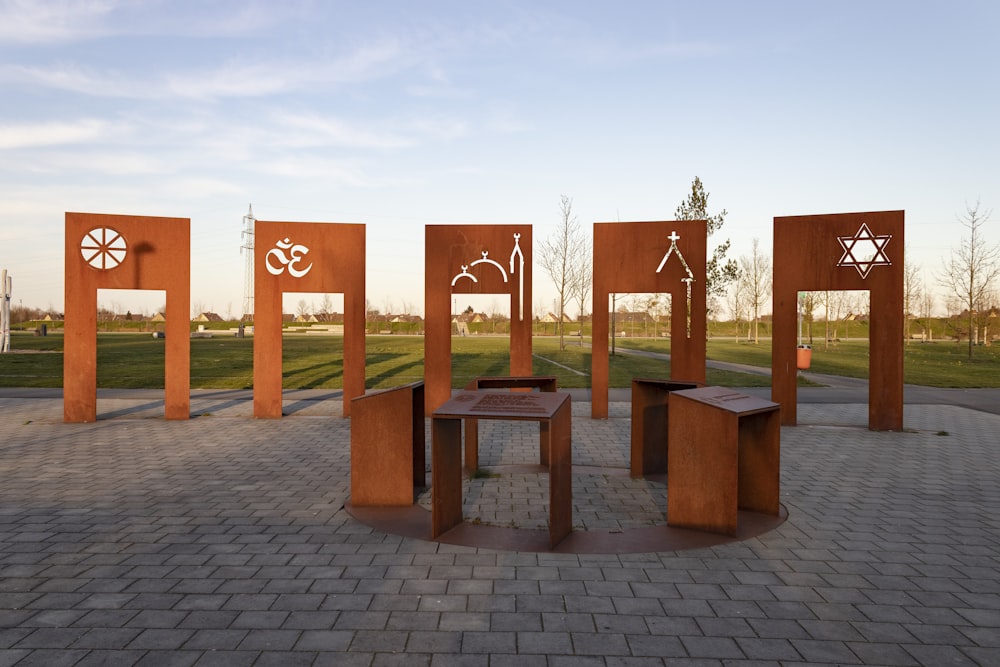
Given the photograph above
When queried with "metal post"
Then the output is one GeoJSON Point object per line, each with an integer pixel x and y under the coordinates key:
{"type": "Point", "coordinates": [5, 287]}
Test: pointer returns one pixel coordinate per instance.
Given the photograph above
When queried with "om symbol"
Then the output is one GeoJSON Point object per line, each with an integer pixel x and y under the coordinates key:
{"type": "Point", "coordinates": [290, 260]}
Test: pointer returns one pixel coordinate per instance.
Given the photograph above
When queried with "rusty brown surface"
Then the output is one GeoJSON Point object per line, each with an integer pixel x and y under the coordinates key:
{"type": "Point", "coordinates": [552, 410]}
{"type": "Point", "coordinates": [724, 457]}
{"type": "Point", "coordinates": [449, 248]}
{"type": "Point", "coordinates": [650, 417]}
{"type": "Point", "coordinates": [809, 255]}
{"type": "Point", "coordinates": [141, 253]}
{"type": "Point", "coordinates": [446, 466]}
{"type": "Point", "coordinates": [557, 433]}
{"type": "Point", "coordinates": [502, 405]}
{"type": "Point", "coordinates": [540, 382]}
{"type": "Point", "coordinates": [415, 521]}
{"type": "Point", "coordinates": [629, 257]}
{"type": "Point", "coordinates": [333, 263]}
{"type": "Point", "coordinates": [387, 446]}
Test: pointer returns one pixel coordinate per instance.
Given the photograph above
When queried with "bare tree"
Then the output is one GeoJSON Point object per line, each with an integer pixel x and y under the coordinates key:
{"type": "Point", "coordinates": [837, 302]}
{"type": "Point", "coordinates": [827, 299]}
{"type": "Point", "coordinates": [927, 313]}
{"type": "Point", "coordinates": [912, 287]}
{"type": "Point", "coordinates": [736, 301]}
{"type": "Point", "coordinates": [326, 306]}
{"type": "Point", "coordinates": [303, 308]}
{"type": "Point", "coordinates": [808, 302]}
{"type": "Point", "coordinates": [755, 273]}
{"type": "Point", "coordinates": [971, 271]}
{"type": "Point", "coordinates": [560, 255]}
{"type": "Point", "coordinates": [583, 280]}
{"type": "Point", "coordinates": [495, 313]}
{"type": "Point", "coordinates": [651, 305]}
{"type": "Point", "coordinates": [986, 313]}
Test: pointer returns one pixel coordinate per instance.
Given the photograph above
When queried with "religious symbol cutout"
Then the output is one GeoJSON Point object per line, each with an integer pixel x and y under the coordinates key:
{"type": "Point", "coordinates": [651, 257]}
{"type": "Point", "coordinates": [105, 251]}
{"type": "Point", "coordinates": [473, 259]}
{"type": "Point", "coordinates": [864, 250]}
{"type": "Point", "coordinates": [314, 257]}
{"type": "Point", "coordinates": [848, 251]}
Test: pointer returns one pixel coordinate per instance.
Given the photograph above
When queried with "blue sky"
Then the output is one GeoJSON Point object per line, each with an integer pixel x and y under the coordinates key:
{"type": "Point", "coordinates": [402, 114]}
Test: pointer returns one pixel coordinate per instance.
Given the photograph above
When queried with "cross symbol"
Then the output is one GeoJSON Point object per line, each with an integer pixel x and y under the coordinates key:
{"type": "Point", "coordinates": [674, 238]}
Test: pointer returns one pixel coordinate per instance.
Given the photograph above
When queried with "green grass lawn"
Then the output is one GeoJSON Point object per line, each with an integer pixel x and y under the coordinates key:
{"type": "Point", "coordinates": [939, 364]}
{"type": "Point", "coordinates": [226, 362]}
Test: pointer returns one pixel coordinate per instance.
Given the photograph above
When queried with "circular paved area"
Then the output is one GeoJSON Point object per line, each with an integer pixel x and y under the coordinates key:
{"type": "Point", "coordinates": [508, 509]}
{"type": "Point", "coordinates": [223, 540]}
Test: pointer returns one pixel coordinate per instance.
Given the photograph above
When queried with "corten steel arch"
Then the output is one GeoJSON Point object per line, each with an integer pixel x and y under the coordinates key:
{"type": "Point", "coordinates": [473, 259]}
{"type": "Point", "coordinates": [847, 251]}
{"type": "Point", "coordinates": [125, 252]}
{"type": "Point", "coordinates": [306, 257]}
{"type": "Point", "coordinates": [665, 257]}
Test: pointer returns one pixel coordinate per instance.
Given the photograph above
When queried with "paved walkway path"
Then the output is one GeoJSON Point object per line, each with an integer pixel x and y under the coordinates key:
{"type": "Point", "coordinates": [223, 540]}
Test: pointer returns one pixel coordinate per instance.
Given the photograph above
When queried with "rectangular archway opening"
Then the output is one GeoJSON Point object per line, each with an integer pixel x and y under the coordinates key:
{"type": "Point", "coordinates": [642, 316]}
{"type": "Point", "coordinates": [480, 340]}
{"type": "Point", "coordinates": [640, 324]}
{"type": "Point", "coordinates": [131, 350]}
{"type": "Point", "coordinates": [833, 346]}
{"type": "Point", "coordinates": [312, 341]}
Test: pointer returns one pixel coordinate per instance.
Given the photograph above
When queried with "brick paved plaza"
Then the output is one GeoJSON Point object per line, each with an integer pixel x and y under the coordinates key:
{"type": "Point", "coordinates": [224, 540]}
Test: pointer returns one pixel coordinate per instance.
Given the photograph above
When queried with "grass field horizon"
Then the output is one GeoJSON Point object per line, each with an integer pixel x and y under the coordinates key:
{"type": "Point", "coordinates": [316, 362]}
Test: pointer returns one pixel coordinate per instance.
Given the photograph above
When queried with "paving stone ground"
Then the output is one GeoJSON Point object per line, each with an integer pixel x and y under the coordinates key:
{"type": "Point", "coordinates": [223, 540]}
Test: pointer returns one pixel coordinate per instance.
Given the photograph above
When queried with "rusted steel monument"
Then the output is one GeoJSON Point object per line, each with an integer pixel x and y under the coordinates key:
{"type": "Point", "coordinates": [106, 251]}
{"type": "Point", "coordinates": [847, 251]}
{"type": "Point", "coordinates": [651, 257]}
{"type": "Point", "coordinates": [306, 257]}
{"type": "Point", "coordinates": [473, 259]}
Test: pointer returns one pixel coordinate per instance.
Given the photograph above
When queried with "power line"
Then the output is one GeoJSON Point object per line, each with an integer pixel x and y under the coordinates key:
{"type": "Point", "coordinates": [246, 248]}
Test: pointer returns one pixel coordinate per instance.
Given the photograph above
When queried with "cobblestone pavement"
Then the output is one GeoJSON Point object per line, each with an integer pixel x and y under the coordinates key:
{"type": "Point", "coordinates": [223, 540]}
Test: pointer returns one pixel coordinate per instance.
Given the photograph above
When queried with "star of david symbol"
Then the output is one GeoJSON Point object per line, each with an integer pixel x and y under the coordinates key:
{"type": "Point", "coordinates": [864, 250]}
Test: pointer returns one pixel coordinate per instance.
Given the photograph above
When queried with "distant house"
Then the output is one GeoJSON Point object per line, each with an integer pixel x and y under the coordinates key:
{"type": "Point", "coordinates": [461, 323]}
{"type": "Point", "coordinates": [330, 318]}
{"type": "Point", "coordinates": [209, 317]}
{"type": "Point", "coordinates": [552, 317]}
{"type": "Point", "coordinates": [158, 317]}
{"type": "Point", "coordinates": [630, 317]}
{"type": "Point", "coordinates": [405, 319]}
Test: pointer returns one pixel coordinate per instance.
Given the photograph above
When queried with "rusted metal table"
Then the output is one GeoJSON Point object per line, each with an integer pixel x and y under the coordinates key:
{"type": "Point", "coordinates": [552, 411]}
{"type": "Point", "coordinates": [540, 382]}
{"type": "Point", "coordinates": [724, 457]}
{"type": "Point", "coordinates": [649, 424]}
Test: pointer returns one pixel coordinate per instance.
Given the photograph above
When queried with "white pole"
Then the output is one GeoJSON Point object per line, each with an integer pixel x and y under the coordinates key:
{"type": "Point", "coordinates": [5, 286]}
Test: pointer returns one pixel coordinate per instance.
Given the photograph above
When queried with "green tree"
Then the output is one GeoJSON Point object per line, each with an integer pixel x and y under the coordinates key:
{"type": "Point", "coordinates": [720, 272]}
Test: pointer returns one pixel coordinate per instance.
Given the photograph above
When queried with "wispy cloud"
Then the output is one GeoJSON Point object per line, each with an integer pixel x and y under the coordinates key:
{"type": "Point", "coordinates": [30, 21]}
{"type": "Point", "coordinates": [64, 21]}
{"type": "Point", "coordinates": [247, 78]}
{"type": "Point", "coordinates": [309, 129]}
{"type": "Point", "coordinates": [301, 168]}
{"type": "Point", "coordinates": [28, 135]}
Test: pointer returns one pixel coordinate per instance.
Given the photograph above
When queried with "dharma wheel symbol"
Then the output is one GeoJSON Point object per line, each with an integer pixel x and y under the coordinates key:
{"type": "Point", "coordinates": [103, 248]}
